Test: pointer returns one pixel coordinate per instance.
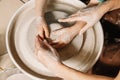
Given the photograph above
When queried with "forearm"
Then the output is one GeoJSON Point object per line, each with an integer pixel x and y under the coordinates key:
{"type": "Point", "coordinates": [71, 74]}
{"type": "Point", "coordinates": [115, 4]}
{"type": "Point", "coordinates": [40, 6]}
{"type": "Point", "coordinates": [109, 5]}
{"type": "Point", "coordinates": [75, 29]}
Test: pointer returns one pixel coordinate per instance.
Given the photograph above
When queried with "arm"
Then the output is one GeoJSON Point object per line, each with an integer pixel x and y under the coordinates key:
{"type": "Point", "coordinates": [71, 74]}
{"type": "Point", "coordinates": [61, 37]}
{"type": "Point", "coordinates": [91, 15]}
{"type": "Point", "coordinates": [40, 7]}
{"type": "Point", "coordinates": [50, 59]}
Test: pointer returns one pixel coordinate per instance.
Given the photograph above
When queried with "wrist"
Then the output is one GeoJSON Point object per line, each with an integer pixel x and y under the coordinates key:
{"type": "Point", "coordinates": [106, 6]}
{"type": "Point", "coordinates": [103, 8]}
{"type": "Point", "coordinates": [77, 27]}
{"type": "Point", "coordinates": [40, 14]}
{"type": "Point", "coordinates": [38, 19]}
{"type": "Point", "coordinates": [58, 69]}
{"type": "Point", "coordinates": [62, 71]}
{"type": "Point", "coordinates": [65, 72]}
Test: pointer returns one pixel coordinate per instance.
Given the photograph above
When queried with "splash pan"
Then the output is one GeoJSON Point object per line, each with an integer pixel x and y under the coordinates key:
{"type": "Point", "coordinates": [81, 54]}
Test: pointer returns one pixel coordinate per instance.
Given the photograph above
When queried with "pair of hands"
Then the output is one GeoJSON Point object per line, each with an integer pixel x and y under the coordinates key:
{"type": "Point", "coordinates": [89, 15]}
{"type": "Point", "coordinates": [50, 58]}
{"type": "Point", "coordinates": [63, 36]}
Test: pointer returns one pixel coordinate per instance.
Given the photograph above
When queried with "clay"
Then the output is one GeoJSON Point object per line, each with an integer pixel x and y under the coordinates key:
{"type": "Point", "coordinates": [81, 54]}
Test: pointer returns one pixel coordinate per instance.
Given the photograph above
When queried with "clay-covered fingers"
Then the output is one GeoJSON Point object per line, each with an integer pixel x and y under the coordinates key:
{"type": "Point", "coordinates": [37, 45]}
{"type": "Point", "coordinates": [43, 30]}
{"type": "Point", "coordinates": [46, 30]}
{"type": "Point", "coordinates": [76, 14]}
{"type": "Point", "coordinates": [84, 29]}
{"type": "Point", "coordinates": [57, 44]}
{"type": "Point", "coordinates": [69, 19]}
{"type": "Point", "coordinates": [49, 46]}
{"type": "Point", "coordinates": [40, 44]}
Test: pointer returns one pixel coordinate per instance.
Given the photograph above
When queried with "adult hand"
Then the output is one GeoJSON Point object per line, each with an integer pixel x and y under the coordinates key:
{"type": "Point", "coordinates": [42, 27]}
{"type": "Point", "coordinates": [90, 15]}
{"type": "Point", "coordinates": [47, 55]}
{"type": "Point", "coordinates": [61, 37]}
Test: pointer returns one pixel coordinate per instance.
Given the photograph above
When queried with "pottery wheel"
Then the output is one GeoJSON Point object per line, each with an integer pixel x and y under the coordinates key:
{"type": "Point", "coordinates": [80, 54]}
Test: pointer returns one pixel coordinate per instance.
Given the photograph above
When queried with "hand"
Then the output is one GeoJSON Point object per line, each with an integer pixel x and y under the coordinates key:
{"type": "Point", "coordinates": [42, 28]}
{"type": "Point", "coordinates": [61, 37]}
{"type": "Point", "coordinates": [89, 15]}
{"type": "Point", "coordinates": [47, 55]}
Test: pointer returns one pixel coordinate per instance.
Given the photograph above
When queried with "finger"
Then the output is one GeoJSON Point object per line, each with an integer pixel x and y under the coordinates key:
{"type": "Point", "coordinates": [42, 44]}
{"type": "Point", "coordinates": [69, 19]}
{"type": "Point", "coordinates": [76, 14]}
{"type": "Point", "coordinates": [54, 42]}
{"type": "Point", "coordinates": [81, 24]}
{"type": "Point", "coordinates": [38, 46]}
{"type": "Point", "coordinates": [39, 43]}
{"type": "Point", "coordinates": [73, 15]}
{"type": "Point", "coordinates": [41, 32]}
{"type": "Point", "coordinates": [48, 45]}
{"type": "Point", "coordinates": [51, 48]}
{"type": "Point", "coordinates": [84, 29]}
{"type": "Point", "coordinates": [47, 34]}
{"type": "Point", "coordinates": [59, 45]}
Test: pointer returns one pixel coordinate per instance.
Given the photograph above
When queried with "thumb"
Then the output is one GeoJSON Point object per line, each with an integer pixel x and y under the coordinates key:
{"type": "Point", "coordinates": [41, 44]}
{"type": "Point", "coordinates": [47, 34]}
{"type": "Point", "coordinates": [49, 46]}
